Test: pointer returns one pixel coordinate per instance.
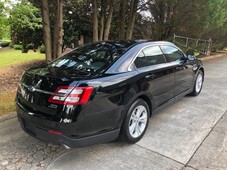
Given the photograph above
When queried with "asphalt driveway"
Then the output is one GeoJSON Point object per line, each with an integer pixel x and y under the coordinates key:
{"type": "Point", "coordinates": [190, 134]}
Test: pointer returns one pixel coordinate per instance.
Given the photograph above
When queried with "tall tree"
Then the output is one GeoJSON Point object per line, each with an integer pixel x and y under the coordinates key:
{"type": "Point", "coordinates": [132, 18]}
{"type": "Point", "coordinates": [122, 19]}
{"type": "Point", "coordinates": [58, 30]}
{"type": "Point", "coordinates": [108, 20]}
{"type": "Point", "coordinates": [95, 20]}
{"type": "Point", "coordinates": [102, 19]}
{"type": "Point", "coordinates": [128, 12]}
{"type": "Point", "coordinates": [52, 27]}
{"type": "Point", "coordinates": [101, 30]}
{"type": "Point", "coordinates": [46, 29]}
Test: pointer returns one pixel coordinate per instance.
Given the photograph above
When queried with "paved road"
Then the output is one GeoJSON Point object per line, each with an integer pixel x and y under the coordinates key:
{"type": "Point", "coordinates": [190, 134]}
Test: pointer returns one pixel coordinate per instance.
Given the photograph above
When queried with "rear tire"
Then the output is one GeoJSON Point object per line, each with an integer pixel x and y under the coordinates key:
{"type": "Point", "coordinates": [136, 122]}
{"type": "Point", "coordinates": [198, 85]}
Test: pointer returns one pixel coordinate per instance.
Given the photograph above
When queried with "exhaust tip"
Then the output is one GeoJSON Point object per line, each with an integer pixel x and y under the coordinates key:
{"type": "Point", "coordinates": [66, 147]}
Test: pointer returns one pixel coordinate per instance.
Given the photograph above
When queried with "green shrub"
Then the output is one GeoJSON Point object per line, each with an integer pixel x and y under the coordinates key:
{"type": "Point", "coordinates": [11, 45]}
{"type": "Point", "coordinates": [213, 49]}
{"type": "Point", "coordinates": [42, 49]}
{"type": "Point", "coordinates": [17, 47]}
{"type": "Point", "coordinates": [5, 44]}
{"type": "Point", "coordinates": [30, 47]}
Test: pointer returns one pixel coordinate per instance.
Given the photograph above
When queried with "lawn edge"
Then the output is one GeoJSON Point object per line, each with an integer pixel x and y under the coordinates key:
{"type": "Point", "coordinates": [8, 116]}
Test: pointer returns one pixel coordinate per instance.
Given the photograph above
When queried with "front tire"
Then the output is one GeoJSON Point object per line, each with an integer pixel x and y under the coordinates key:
{"type": "Point", "coordinates": [136, 122]}
{"type": "Point", "coordinates": [198, 84]}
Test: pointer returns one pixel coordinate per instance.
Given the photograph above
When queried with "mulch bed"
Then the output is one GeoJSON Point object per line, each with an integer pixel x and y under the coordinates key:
{"type": "Point", "coordinates": [10, 76]}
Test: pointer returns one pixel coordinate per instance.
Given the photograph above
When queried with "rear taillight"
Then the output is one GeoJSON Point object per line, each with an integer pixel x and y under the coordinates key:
{"type": "Point", "coordinates": [71, 95]}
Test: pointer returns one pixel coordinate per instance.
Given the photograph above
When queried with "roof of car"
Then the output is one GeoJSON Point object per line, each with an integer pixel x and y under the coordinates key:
{"type": "Point", "coordinates": [134, 42]}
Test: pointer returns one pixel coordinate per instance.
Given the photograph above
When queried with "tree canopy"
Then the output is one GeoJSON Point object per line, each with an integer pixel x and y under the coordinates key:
{"type": "Point", "coordinates": [64, 21]}
{"type": "Point", "coordinates": [26, 24]}
{"type": "Point", "coordinates": [4, 25]}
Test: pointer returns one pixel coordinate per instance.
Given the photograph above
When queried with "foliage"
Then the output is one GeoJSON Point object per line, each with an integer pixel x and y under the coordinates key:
{"type": "Point", "coordinates": [42, 49]}
{"type": "Point", "coordinates": [4, 25]}
{"type": "Point", "coordinates": [30, 46]}
{"type": "Point", "coordinates": [17, 47]}
{"type": "Point", "coordinates": [12, 57]}
{"type": "Point", "coordinates": [202, 19]}
{"type": "Point", "coordinates": [155, 19]}
{"type": "Point", "coordinates": [5, 44]}
{"type": "Point", "coordinates": [77, 21]}
{"type": "Point", "coordinates": [25, 22]}
{"type": "Point", "coordinates": [211, 17]}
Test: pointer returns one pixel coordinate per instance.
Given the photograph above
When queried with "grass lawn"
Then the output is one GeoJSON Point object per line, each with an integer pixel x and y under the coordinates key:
{"type": "Point", "coordinates": [7, 103]}
{"type": "Point", "coordinates": [11, 57]}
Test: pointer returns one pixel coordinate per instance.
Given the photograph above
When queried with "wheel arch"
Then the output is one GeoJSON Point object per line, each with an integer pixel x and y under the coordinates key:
{"type": "Point", "coordinates": [202, 69]}
{"type": "Point", "coordinates": [148, 101]}
{"type": "Point", "coordinates": [146, 96]}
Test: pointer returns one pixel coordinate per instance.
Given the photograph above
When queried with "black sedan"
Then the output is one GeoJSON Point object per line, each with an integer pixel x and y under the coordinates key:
{"type": "Point", "coordinates": [103, 91]}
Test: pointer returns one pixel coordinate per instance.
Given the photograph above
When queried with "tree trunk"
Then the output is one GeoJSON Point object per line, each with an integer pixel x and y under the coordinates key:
{"type": "Point", "coordinates": [95, 20]}
{"type": "Point", "coordinates": [101, 27]}
{"type": "Point", "coordinates": [46, 29]}
{"type": "Point", "coordinates": [102, 17]}
{"type": "Point", "coordinates": [61, 33]}
{"type": "Point", "coordinates": [122, 20]}
{"type": "Point", "coordinates": [132, 18]}
{"type": "Point", "coordinates": [58, 30]}
{"type": "Point", "coordinates": [108, 22]}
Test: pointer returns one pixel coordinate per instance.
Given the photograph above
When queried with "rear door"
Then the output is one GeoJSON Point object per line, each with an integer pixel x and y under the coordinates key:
{"type": "Point", "coordinates": [183, 69]}
{"type": "Point", "coordinates": [153, 68]}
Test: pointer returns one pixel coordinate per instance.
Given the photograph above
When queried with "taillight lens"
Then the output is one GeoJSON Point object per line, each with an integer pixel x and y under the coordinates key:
{"type": "Point", "coordinates": [71, 95]}
{"type": "Point", "coordinates": [54, 132]}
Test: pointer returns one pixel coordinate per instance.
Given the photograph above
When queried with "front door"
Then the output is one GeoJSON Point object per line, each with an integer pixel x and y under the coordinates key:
{"type": "Point", "coordinates": [183, 69]}
{"type": "Point", "coordinates": [153, 68]}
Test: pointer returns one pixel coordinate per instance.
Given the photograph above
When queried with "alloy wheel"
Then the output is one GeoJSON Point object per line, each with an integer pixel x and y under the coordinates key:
{"type": "Point", "coordinates": [199, 83]}
{"type": "Point", "coordinates": [138, 121]}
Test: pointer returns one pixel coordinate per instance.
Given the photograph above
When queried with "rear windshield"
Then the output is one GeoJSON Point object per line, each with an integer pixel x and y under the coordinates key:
{"type": "Point", "coordinates": [92, 57]}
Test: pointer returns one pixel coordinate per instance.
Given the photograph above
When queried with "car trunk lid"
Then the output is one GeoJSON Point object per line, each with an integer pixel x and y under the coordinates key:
{"type": "Point", "coordinates": [37, 86]}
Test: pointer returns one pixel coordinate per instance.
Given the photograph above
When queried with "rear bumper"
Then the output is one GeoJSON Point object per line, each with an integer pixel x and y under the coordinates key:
{"type": "Point", "coordinates": [30, 125]}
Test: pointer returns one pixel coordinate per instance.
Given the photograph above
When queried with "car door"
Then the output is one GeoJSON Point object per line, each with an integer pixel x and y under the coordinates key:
{"type": "Point", "coordinates": [153, 68]}
{"type": "Point", "coordinates": [183, 69]}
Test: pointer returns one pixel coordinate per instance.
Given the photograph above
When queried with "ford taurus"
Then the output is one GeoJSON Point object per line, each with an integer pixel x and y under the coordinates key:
{"type": "Point", "coordinates": [103, 91]}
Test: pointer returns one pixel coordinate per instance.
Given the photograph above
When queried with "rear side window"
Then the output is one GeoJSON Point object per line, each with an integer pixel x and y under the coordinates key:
{"type": "Point", "coordinates": [141, 60]}
{"type": "Point", "coordinates": [150, 56]}
{"type": "Point", "coordinates": [172, 53]}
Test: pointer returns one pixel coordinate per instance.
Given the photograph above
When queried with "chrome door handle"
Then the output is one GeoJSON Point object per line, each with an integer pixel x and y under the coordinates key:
{"type": "Point", "coordinates": [150, 76]}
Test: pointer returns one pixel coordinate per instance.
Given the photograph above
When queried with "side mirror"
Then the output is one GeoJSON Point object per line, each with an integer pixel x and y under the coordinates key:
{"type": "Point", "coordinates": [191, 57]}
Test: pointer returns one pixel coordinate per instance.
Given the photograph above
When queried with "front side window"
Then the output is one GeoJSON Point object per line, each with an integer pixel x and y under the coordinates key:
{"type": "Point", "coordinates": [150, 56]}
{"type": "Point", "coordinates": [172, 53]}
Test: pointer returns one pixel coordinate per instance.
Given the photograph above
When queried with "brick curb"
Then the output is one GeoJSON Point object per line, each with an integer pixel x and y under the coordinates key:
{"type": "Point", "coordinates": [213, 56]}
